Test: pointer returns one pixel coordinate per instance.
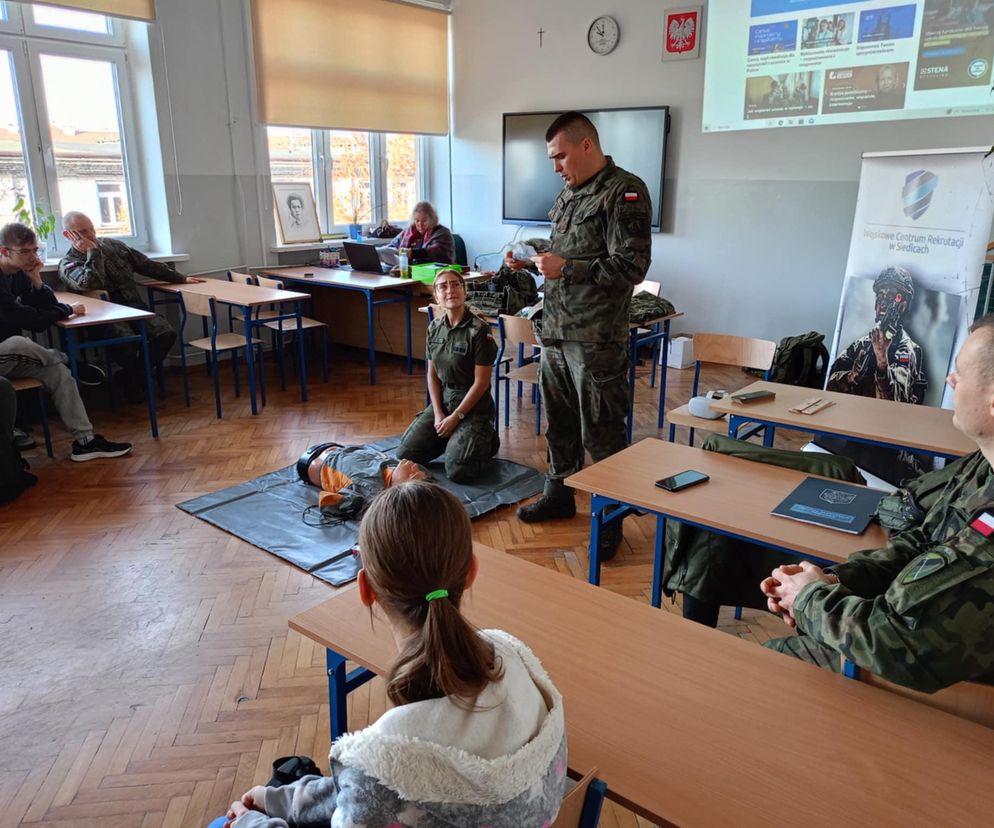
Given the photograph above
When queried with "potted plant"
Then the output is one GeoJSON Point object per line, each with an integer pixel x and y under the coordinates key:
{"type": "Point", "coordinates": [41, 221]}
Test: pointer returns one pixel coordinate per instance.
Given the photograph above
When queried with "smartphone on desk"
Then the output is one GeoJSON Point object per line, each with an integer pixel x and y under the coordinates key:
{"type": "Point", "coordinates": [754, 396]}
{"type": "Point", "coordinates": [682, 480]}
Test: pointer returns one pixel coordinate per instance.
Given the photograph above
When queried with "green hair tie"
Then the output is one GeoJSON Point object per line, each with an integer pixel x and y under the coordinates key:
{"type": "Point", "coordinates": [437, 593]}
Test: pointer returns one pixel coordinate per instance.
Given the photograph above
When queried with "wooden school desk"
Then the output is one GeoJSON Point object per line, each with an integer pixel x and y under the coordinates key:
{"type": "Point", "coordinates": [736, 501]}
{"type": "Point", "coordinates": [245, 298]}
{"type": "Point", "coordinates": [920, 428]}
{"type": "Point", "coordinates": [369, 285]}
{"type": "Point", "coordinates": [100, 312]}
{"type": "Point", "coordinates": [690, 726]}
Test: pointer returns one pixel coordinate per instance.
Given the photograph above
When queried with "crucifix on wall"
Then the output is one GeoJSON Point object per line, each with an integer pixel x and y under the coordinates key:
{"type": "Point", "coordinates": [541, 32]}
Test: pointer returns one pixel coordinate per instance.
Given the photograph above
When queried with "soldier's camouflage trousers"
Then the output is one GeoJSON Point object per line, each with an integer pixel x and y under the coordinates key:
{"type": "Point", "coordinates": [469, 448]}
{"type": "Point", "coordinates": [809, 650]}
{"type": "Point", "coordinates": [585, 394]}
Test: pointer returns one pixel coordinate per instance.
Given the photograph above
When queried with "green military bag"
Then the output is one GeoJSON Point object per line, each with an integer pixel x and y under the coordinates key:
{"type": "Point", "coordinates": [801, 360]}
{"type": "Point", "coordinates": [507, 292]}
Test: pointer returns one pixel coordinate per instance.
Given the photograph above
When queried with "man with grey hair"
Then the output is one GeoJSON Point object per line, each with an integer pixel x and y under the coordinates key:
{"type": "Point", "coordinates": [110, 265]}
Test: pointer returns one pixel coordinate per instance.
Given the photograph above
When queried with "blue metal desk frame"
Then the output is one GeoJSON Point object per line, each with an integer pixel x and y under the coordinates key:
{"type": "Point", "coordinates": [371, 303]}
{"type": "Point", "coordinates": [655, 334]}
{"type": "Point", "coordinates": [248, 323]}
{"type": "Point", "coordinates": [73, 345]}
{"type": "Point", "coordinates": [737, 420]}
{"type": "Point", "coordinates": [605, 509]}
{"type": "Point", "coordinates": [340, 684]}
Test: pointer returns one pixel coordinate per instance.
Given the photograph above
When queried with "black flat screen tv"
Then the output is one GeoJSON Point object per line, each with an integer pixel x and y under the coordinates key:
{"type": "Point", "coordinates": [635, 138]}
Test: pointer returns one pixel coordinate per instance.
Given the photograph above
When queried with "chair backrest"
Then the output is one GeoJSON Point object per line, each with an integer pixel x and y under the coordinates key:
{"type": "Point", "coordinates": [199, 304]}
{"type": "Point", "coordinates": [649, 287]}
{"type": "Point", "coordinates": [241, 278]}
{"type": "Point", "coordinates": [460, 245]}
{"type": "Point", "coordinates": [572, 812]}
{"type": "Point", "coordinates": [275, 284]}
{"type": "Point", "coordinates": [970, 700]}
{"type": "Point", "coordinates": [741, 351]}
{"type": "Point", "coordinates": [517, 329]}
{"type": "Point", "coordinates": [433, 311]}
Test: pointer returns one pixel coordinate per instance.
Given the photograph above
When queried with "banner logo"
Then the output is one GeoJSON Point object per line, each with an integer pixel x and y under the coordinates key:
{"type": "Point", "coordinates": [917, 193]}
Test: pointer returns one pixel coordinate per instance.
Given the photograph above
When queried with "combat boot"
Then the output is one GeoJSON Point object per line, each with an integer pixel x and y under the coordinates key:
{"type": "Point", "coordinates": [610, 539]}
{"type": "Point", "coordinates": [554, 504]}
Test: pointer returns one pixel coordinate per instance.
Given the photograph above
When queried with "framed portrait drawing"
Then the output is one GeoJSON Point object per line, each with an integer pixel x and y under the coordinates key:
{"type": "Point", "coordinates": [296, 215]}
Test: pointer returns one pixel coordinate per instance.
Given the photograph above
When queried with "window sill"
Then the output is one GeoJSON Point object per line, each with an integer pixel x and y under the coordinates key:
{"type": "Point", "coordinates": [303, 248]}
{"type": "Point", "coordinates": [52, 265]}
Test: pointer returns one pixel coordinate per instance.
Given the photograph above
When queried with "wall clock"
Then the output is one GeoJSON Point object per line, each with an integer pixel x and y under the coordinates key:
{"type": "Point", "coordinates": [603, 34]}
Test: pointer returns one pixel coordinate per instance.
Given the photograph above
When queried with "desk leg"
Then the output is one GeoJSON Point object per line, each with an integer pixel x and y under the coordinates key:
{"type": "Point", "coordinates": [850, 670]}
{"type": "Point", "coordinates": [149, 385]}
{"type": "Point", "coordinates": [302, 353]}
{"type": "Point", "coordinates": [337, 694]}
{"type": "Point", "coordinates": [661, 413]}
{"type": "Point", "coordinates": [371, 333]}
{"type": "Point", "coordinates": [71, 347]}
{"type": "Point", "coordinates": [249, 354]}
{"type": "Point", "coordinates": [410, 356]}
{"type": "Point", "coordinates": [633, 358]}
{"type": "Point", "coordinates": [597, 504]}
{"type": "Point", "coordinates": [657, 562]}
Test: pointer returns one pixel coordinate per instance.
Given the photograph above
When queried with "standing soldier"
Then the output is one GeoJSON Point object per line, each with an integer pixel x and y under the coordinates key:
{"type": "Point", "coordinates": [886, 363]}
{"type": "Point", "coordinates": [110, 265]}
{"type": "Point", "coordinates": [600, 249]}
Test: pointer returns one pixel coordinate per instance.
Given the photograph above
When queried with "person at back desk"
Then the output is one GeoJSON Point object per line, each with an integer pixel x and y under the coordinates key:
{"type": "Point", "coordinates": [920, 611]}
{"type": "Point", "coordinates": [427, 240]}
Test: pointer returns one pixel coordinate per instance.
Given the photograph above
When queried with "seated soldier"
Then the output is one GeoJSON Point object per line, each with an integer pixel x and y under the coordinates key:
{"type": "Point", "coordinates": [920, 611]}
{"type": "Point", "coordinates": [351, 476]}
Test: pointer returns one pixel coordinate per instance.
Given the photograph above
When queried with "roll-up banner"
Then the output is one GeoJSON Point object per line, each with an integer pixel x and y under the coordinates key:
{"type": "Point", "coordinates": [912, 285]}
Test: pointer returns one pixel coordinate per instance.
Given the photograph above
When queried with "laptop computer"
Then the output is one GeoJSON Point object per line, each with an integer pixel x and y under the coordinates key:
{"type": "Point", "coordinates": [363, 257]}
{"type": "Point", "coordinates": [832, 504]}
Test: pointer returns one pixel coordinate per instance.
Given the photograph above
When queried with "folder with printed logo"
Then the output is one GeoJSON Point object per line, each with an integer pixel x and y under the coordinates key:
{"type": "Point", "coordinates": [832, 504]}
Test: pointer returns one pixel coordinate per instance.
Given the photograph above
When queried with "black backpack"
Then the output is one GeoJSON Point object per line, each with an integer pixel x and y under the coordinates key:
{"type": "Point", "coordinates": [13, 481]}
{"type": "Point", "coordinates": [801, 360]}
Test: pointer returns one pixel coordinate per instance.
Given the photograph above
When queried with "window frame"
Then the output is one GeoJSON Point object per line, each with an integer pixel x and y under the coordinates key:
{"type": "Point", "coordinates": [322, 171]}
{"type": "Point", "coordinates": [18, 36]}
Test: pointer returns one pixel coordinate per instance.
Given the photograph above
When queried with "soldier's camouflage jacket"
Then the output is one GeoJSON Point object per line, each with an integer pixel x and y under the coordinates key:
{"type": "Point", "coordinates": [904, 380]}
{"type": "Point", "coordinates": [113, 266]}
{"type": "Point", "coordinates": [602, 229]}
{"type": "Point", "coordinates": [920, 611]}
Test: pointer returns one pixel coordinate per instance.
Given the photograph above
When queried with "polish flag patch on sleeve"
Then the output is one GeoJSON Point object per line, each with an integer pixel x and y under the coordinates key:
{"type": "Point", "coordinates": [631, 195]}
{"type": "Point", "coordinates": [984, 523]}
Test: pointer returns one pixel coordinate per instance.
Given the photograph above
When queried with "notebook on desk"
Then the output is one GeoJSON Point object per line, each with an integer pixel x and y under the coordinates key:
{"type": "Point", "coordinates": [363, 257]}
{"type": "Point", "coordinates": [832, 504]}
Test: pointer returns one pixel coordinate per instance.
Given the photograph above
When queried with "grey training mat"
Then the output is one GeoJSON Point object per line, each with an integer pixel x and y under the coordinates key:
{"type": "Point", "coordinates": [268, 512]}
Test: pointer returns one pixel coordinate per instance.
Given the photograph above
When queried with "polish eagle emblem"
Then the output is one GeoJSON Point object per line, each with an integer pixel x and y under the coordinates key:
{"type": "Point", "coordinates": [682, 33]}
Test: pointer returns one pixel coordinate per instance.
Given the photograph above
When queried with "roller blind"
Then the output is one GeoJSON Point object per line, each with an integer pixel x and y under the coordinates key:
{"type": "Point", "coordinates": [136, 9]}
{"type": "Point", "coordinates": [351, 64]}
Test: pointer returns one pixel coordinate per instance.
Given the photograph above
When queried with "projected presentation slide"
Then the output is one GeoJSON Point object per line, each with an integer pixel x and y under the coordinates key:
{"type": "Point", "coordinates": [774, 63]}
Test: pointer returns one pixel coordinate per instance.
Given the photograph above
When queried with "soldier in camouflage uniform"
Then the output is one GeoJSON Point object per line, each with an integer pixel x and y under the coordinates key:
{"type": "Point", "coordinates": [886, 363]}
{"type": "Point", "coordinates": [920, 611]}
{"type": "Point", "coordinates": [460, 352]}
{"type": "Point", "coordinates": [112, 266]}
{"type": "Point", "coordinates": [600, 249]}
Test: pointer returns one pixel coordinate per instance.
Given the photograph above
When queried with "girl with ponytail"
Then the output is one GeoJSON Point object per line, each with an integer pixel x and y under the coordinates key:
{"type": "Point", "coordinates": [476, 734]}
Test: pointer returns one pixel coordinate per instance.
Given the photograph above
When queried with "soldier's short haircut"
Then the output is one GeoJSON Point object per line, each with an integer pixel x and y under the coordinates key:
{"type": "Point", "coordinates": [986, 324]}
{"type": "Point", "coordinates": [16, 234]}
{"type": "Point", "coordinates": [575, 126]}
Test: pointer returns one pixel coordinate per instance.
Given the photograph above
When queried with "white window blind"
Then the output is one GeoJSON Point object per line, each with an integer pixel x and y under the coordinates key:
{"type": "Point", "coordinates": [136, 9]}
{"type": "Point", "coordinates": [351, 64]}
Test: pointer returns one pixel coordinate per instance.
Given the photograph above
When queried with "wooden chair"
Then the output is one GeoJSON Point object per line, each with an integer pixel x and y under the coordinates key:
{"type": "Point", "coordinates": [203, 305]}
{"type": "Point", "coordinates": [970, 700]}
{"type": "Point", "coordinates": [518, 331]}
{"type": "Point", "coordinates": [26, 384]}
{"type": "Point", "coordinates": [723, 349]}
{"type": "Point", "coordinates": [289, 326]}
{"type": "Point", "coordinates": [582, 803]}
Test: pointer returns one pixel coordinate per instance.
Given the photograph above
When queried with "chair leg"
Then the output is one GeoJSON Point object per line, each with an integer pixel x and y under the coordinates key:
{"type": "Point", "coordinates": [690, 442]}
{"type": "Point", "coordinates": [217, 383]}
{"type": "Point", "coordinates": [44, 421]}
{"type": "Point", "coordinates": [672, 433]}
{"type": "Point", "coordinates": [262, 377]}
{"type": "Point", "coordinates": [507, 403]}
{"type": "Point", "coordinates": [280, 357]}
{"type": "Point", "coordinates": [186, 378]}
{"type": "Point", "coordinates": [235, 371]}
{"type": "Point", "coordinates": [738, 613]}
{"type": "Point", "coordinates": [324, 353]}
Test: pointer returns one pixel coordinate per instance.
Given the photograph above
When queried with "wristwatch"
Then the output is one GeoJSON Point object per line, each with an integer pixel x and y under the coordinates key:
{"type": "Point", "coordinates": [459, 414]}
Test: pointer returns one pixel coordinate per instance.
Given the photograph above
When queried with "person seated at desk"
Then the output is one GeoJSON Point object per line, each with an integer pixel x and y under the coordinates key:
{"type": "Point", "coordinates": [110, 265]}
{"type": "Point", "coordinates": [351, 476]}
{"type": "Point", "coordinates": [476, 734]}
{"type": "Point", "coordinates": [920, 611]}
{"type": "Point", "coordinates": [27, 303]}
{"type": "Point", "coordinates": [427, 240]}
{"type": "Point", "coordinates": [460, 352]}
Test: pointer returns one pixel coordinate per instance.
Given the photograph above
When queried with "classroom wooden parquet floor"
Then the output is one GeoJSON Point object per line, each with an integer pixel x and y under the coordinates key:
{"type": "Point", "coordinates": [147, 676]}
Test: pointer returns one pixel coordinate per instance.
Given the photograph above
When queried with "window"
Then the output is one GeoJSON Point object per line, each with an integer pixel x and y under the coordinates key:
{"type": "Point", "coordinates": [65, 119]}
{"type": "Point", "coordinates": [356, 177]}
